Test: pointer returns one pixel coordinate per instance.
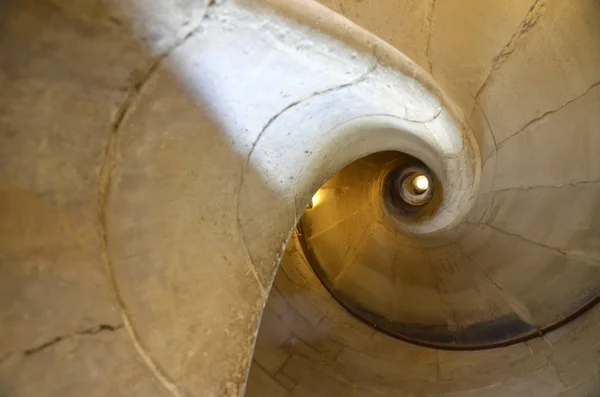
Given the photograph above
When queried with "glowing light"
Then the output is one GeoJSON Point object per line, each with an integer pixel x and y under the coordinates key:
{"type": "Point", "coordinates": [314, 200]}
{"type": "Point", "coordinates": [421, 183]}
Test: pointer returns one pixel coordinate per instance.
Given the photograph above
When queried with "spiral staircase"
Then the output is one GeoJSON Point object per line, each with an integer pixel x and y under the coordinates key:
{"type": "Point", "coordinates": [286, 198]}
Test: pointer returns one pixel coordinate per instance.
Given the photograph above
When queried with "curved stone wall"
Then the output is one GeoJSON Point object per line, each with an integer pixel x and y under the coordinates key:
{"type": "Point", "coordinates": [309, 345]}
{"type": "Point", "coordinates": [156, 156]}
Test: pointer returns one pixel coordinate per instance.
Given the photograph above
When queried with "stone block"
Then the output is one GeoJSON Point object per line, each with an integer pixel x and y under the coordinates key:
{"type": "Point", "coordinates": [260, 384]}
{"type": "Point", "coordinates": [309, 334]}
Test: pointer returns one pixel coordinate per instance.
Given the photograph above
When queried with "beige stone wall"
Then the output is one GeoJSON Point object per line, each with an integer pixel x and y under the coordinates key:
{"type": "Point", "coordinates": [309, 345]}
{"type": "Point", "coordinates": [493, 57]}
{"type": "Point", "coordinates": [145, 199]}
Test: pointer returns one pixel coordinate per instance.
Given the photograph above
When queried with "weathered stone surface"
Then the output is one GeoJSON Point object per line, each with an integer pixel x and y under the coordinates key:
{"type": "Point", "coordinates": [379, 365]}
{"type": "Point", "coordinates": [285, 381]}
{"type": "Point", "coordinates": [311, 335]}
{"type": "Point", "coordinates": [466, 40]}
{"type": "Point", "coordinates": [588, 388]}
{"type": "Point", "coordinates": [550, 42]}
{"type": "Point", "coordinates": [276, 302]}
{"type": "Point", "coordinates": [60, 88]}
{"type": "Point", "coordinates": [261, 384]}
{"type": "Point", "coordinates": [317, 379]}
{"type": "Point", "coordinates": [155, 157]}
{"type": "Point", "coordinates": [395, 371]}
{"type": "Point", "coordinates": [406, 25]}
{"type": "Point", "coordinates": [99, 363]}
{"type": "Point", "coordinates": [538, 384]}
{"type": "Point", "coordinates": [268, 351]}
{"type": "Point", "coordinates": [565, 146]}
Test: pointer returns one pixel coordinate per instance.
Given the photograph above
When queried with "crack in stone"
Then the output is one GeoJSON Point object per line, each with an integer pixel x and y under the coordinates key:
{"type": "Point", "coordinates": [86, 332]}
{"type": "Point", "coordinates": [104, 190]}
{"type": "Point", "coordinates": [549, 112]}
{"type": "Point", "coordinates": [299, 101]}
{"type": "Point", "coordinates": [533, 187]}
{"type": "Point", "coordinates": [530, 20]}
{"type": "Point", "coordinates": [429, 120]}
{"type": "Point", "coordinates": [487, 122]}
{"type": "Point", "coordinates": [525, 239]}
{"type": "Point", "coordinates": [429, 28]}
{"type": "Point", "coordinates": [43, 346]}
{"type": "Point", "coordinates": [271, 120]}
{"type": "Point", "coordinates": [100, 328]}
{"type": "Point", "coordinates": [487, 158]}
{"type": "Point", "coordinates": [491, 153]}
